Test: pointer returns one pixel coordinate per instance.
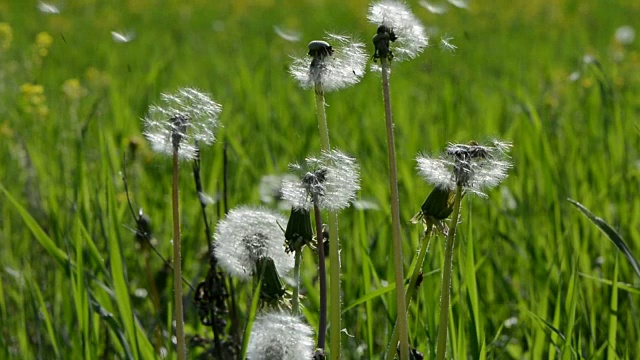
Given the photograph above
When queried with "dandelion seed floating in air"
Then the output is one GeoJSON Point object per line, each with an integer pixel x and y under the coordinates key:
{"type": "Point", "coordinates": [332, 179]}
{"type": "Point", "coordinates": [335, 63]}
{"type": "Point", "coordinates": [48, 8]}
{"type": "Point", "coordinates": [180, 120]}
{"type": "Point", "coordinates": [247, 235]}
{"type": "Point", "coordinates": [279, 335]}
{"type": "Point", "coordinates": [122, 37]}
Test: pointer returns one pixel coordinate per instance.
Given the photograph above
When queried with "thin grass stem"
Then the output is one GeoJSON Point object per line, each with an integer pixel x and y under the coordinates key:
{"type": "Point", "coordinates": [395, 216]}
{"type": "Point", "coordinates": [426, 239]}
{"type": "Point", "coordinates": [446, 279]}
{"type": "Point", "coordinates": [177, 267]}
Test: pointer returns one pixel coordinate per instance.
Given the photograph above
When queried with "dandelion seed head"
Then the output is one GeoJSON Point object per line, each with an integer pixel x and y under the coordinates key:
{"type": "Point", "coordinates": [475, 167]}
{"type": "Point", "coordinates": [335, 63]}
{"type": "Point", "coordinates": [247, 234]}
{"type": "Point", "coordinates": [625, 35]}
{"type": "Point", "coordinates": [183, 118]}
{"type": "Point", "coordinates": [333, 178]}
{"type": "Point", "coordinates": [411, 37]}
{"type": "Point", "coordinates": [279, 335]}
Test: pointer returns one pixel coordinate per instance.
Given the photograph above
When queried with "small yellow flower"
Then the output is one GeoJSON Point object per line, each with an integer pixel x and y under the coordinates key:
{"type": "Point", "coordinates": [30, 90]}
{"type": "Point", "coordinates": [73, 89]}
{"type": "Point", "coordinates": [6, 36]}
{"type": "Point", "coordinates": [6, 130]}
{"type": "Point", "coordinates": [33, 99]}
{"type": "Point", "coordinates": [43, 43]}
{"type": "Point", "coordinates": [97, 78]}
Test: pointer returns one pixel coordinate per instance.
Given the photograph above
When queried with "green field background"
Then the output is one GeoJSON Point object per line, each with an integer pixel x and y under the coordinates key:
{"type": "Point", "coordinates": [533, 278]}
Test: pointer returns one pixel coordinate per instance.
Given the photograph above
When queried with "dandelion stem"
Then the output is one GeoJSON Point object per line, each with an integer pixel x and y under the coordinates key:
{"type": "Point", "coordinates": [295, 306]}
{"type": "Point", "coordinates": [322, 118]}
{"type": "Point", "coordinates": [446, 279]}
{"type": "Point", "coordinates": [177, 263]}
{"type": "Point", "coordinates": [334, 259]}
{"type": "Point", "coordinates": [395, 216]}
{"type": "Point", "coordinates": [391, 349]}
{"type": "Point", "coordinates": [334, 247]}
{"type": "Point", "coordinates": [322, 274]}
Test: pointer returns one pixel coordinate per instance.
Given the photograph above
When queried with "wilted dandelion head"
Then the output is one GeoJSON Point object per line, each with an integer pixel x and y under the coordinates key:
{"type": "Point", "coordinates": [245, 236]}
{"type": "Point", "coordinates": [396, 23]}
{"type": "Point", "coordinates": [279, 335]}
{"type": "Point", "coordinates": [474, 167]}
{"type": "Point", "coordinates": [332, 180]}
{"type": "Point", "coordinates": [181, 121]}
{"type": "Point", "coordinates": [335, 63]}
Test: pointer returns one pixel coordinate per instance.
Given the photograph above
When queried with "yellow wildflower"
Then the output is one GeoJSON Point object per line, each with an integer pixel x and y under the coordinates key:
{"type": "Point", "coordinates": [33, 99]}
{"type": "Point", "coordinates": [6, 36]}
{"type": "Point", "coordinates": [43, 43]}
{"type": "Point", "coordinates": [6, 130]}
{"type": "Point", "coordinates": [73, 89]}
{"type": "Point", "coordinates": [97, 78]}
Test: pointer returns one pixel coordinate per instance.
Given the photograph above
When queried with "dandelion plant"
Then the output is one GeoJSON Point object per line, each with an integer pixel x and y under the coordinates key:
{"type": "Point", "coordinates": [463, 168]}
{"type": "Point", "coordinates": [329, 182]}
{"type": "Point", "coordinates": [173, 127]}
{"type": "Point", "coordinates": [396, 24]}
{"type": "Point", "coordinates": [333, 64]}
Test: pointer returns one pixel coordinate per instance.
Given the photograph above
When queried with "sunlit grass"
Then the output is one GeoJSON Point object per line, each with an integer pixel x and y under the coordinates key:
{"type": "Point", "coordinates": [531, 278]}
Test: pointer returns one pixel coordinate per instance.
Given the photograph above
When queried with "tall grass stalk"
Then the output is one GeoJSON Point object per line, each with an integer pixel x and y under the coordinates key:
{"type": "Point", "coordinates": [426, 239]}
{"type": "Point", "coordinates": [446, 279]}
{"type": "Point", "coordinates": [401, 307]}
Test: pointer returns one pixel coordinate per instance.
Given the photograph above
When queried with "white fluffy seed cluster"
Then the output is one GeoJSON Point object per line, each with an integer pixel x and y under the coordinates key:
{"type": "Point", "coordinates": [280, 335]}
{"type": "Point", "coordinates": [337, 188]}
{"type": "Point", "coordinates": [200, 115]}
{"type": "Point", "coordinates": [245, 235]}
{"type": "Point", "coordinates": [476, 167]}
{"type": "Point", "coordinates": [397, 16]}
{"type": "Point", "coordinates": [344, 68]}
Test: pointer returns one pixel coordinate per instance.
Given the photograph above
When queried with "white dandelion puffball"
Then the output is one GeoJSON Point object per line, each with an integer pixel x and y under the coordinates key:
{"type": "Point", "coordinates": [280, 336]}
{"type": "Point", "coordinates": [182, 119]}
{"type": "Point", "coordinates": [411, 36]}
{"type": "Point", "coordinates": [333, 179]}
{"type": "Point", "coordinates": [475, 167]}
{"type": "Point", "coordinates": [335, 63]}
{"type": "Point", "coordinates": [247, 234]}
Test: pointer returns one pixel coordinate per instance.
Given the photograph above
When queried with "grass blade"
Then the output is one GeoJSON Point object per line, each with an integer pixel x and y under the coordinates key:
{"type": "Point", "coordinates": [47, 243]}
{"type": "Point", "coordinates": [611, 234]}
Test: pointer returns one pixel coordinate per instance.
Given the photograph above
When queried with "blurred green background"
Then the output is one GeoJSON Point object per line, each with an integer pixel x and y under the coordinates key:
{"type": "Point", "coordinates": [532, 277]}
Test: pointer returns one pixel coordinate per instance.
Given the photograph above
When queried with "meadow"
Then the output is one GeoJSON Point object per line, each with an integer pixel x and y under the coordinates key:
{"type": "Point", "coordinates": [533, 277]}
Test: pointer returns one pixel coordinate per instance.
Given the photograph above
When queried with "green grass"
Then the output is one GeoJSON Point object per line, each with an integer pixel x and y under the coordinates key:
{"type": "Point", "coordinates": [70, 269]}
